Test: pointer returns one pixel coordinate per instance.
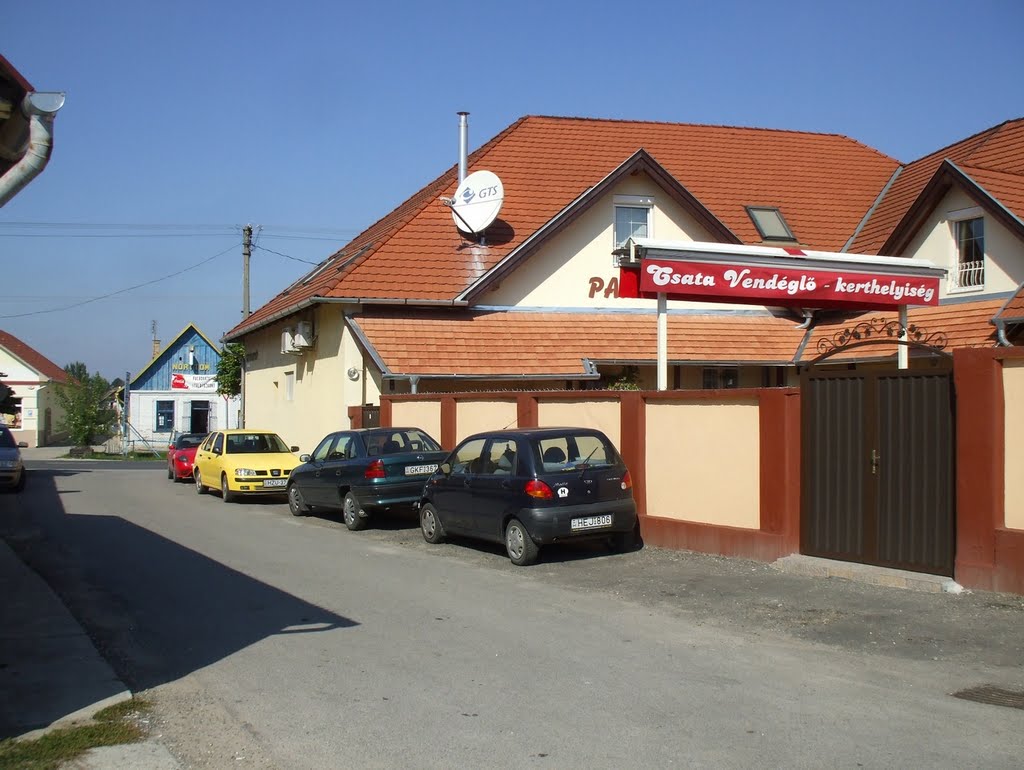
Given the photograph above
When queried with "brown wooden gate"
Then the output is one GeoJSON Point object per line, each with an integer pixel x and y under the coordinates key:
{"type": "Point", "coordinates": [877, 467]}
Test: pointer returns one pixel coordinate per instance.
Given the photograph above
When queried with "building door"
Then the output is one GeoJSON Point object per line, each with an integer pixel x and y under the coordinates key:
{"type": "Point", "coordinates": [878, 468]}
{"type": "Point", "coordinates": [200, 417]}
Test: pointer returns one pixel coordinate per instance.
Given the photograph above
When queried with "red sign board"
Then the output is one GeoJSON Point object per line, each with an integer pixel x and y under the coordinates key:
{"type": "Point", "coordinates": [782, 285]}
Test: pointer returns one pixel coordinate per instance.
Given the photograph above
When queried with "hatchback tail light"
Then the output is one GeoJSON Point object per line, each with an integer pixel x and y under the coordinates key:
{"type": "Point", "coordinates": [539, 489]}
{"type": "Point", "coordinates": [627, 481]}
{"type": "Point", "coordinates": [374, 470]}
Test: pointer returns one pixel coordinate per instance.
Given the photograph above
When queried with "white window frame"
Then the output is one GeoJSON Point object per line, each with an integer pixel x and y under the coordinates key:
{"type": "Point", "coordinates": [962, 280]}
{"type": "Point", "coordinates": [289, 386]}
{"type": "Point", "coordinates": [156, 414]}
{"type": "Point", "coordinates": [632, 202]}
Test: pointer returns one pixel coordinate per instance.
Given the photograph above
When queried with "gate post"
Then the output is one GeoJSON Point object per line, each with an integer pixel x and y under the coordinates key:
{"type": "Point", "coordinates": [980, 454]}
{"type": "Point", "coordinates": [633, 441]}
{"type": "Point", "coordinates": [779, 423]}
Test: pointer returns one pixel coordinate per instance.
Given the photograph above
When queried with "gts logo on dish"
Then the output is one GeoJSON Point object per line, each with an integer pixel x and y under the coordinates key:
{"type": "Point", "coordinates": [487, 192]}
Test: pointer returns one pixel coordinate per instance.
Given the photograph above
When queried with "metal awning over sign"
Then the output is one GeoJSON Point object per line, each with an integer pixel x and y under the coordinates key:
{"type": "Point", "coordinates": [772, 276]}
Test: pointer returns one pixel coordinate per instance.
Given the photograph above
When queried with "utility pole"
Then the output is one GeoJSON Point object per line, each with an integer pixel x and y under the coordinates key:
{"type": "Point", "coordinates": [246, 253]}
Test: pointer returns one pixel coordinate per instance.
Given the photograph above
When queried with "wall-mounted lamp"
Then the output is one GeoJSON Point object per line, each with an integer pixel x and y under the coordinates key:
{"type": "Point", "coordinates": [191, 356]}
{"type": "Point", "coordinates": [353, 373]}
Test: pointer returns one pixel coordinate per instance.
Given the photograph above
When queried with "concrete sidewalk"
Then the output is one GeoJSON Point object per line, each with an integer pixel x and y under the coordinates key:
{"type": "Point", "coordinates": [51, 674]}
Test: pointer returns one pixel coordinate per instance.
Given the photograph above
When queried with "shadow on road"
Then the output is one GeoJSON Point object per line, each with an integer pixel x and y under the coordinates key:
{"type": "Point", "coordinates": [156, 610]}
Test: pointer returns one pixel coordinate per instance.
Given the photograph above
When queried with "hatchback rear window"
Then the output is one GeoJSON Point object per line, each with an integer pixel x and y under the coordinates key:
{"type": "Point", "coordinates": [563, 453]}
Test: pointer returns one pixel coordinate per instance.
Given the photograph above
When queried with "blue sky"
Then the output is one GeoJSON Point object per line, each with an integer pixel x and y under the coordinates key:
{"type": "Point", "coordinates": [184, 121]}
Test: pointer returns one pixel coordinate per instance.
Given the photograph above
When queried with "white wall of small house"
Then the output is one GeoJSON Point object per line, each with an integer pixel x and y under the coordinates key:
{"type": "Point", "coordinates": [142, 414]}
{"type": "Point", "coordinates": [936, 242]}
{"type": "Point", "coordinates": [575, 269]}
{"type": "Point", "coordinates": [37, 394]}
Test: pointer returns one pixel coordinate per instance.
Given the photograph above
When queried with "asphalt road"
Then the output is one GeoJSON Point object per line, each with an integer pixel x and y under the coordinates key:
{"type": "Point", "coordinates": [271, 641]}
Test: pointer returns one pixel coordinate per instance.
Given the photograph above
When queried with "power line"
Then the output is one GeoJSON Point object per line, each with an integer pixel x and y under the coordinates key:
{"type": "Point", "coordinates": [125, 290]}
{"type": "Point", "coordinates": [286, 256]}
{"type": "Point", "coordinates": [122, 225]}
{"type": "Point", "coordinates": [311, 230]}
{"type": "Point", "coordinates": [114, 235]}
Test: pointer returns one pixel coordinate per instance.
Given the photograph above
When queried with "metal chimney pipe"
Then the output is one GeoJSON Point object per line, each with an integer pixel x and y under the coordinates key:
{"type": "Point", "coordinates": [463, 144]}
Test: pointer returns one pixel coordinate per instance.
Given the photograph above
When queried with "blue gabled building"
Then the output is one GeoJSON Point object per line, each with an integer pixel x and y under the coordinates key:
{"type": "Point", "coordinates": [176, 392]}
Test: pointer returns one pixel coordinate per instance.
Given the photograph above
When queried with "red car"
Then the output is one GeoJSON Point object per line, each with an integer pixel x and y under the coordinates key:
{"type": "Point", "coordinates": [181, 454]}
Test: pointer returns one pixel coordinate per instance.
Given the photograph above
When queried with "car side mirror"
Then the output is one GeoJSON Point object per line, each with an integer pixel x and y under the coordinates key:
{"type": "Point", "coordinates": [445, 468]}
{"type": "Point", "coordinates": [216, 451]}
{"type": "Point", "coordinates": [303, 458]}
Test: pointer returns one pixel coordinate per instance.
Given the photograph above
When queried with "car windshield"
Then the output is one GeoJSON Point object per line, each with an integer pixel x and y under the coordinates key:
{"type": "Point", "coordinates": [189, 440]}
{"type": "Point", "coordinates": [7, 440]}
{"type": "Point", "coordinates": [396, 440]}
{"type": "Point", "coordinates": [254, 443]}
{"type": "Point", "coordinates": [573, 450]}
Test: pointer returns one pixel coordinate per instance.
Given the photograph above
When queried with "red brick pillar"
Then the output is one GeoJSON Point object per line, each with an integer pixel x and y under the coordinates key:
{"type": "Point", "coordinates": [633, 441]}
{"type": "Point", "coordinates": [980, 453]}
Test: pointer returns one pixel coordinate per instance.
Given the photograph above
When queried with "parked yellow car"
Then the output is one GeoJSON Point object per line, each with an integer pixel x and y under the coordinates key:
{"type": "Point", "coordinates": [243, 462]}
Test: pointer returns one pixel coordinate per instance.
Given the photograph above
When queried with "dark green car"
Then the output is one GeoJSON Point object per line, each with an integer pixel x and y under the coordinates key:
{"type": "Point", "coordinates": [359, 471]}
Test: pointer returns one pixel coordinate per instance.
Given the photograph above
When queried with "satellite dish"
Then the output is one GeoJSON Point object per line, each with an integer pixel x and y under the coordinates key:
{"type": "Point", "coordinates": [477, 201]}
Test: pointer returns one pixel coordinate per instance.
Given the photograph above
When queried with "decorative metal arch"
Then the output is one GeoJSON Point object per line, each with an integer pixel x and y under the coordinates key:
{"type": "Point", "coordinates": [878, 331]}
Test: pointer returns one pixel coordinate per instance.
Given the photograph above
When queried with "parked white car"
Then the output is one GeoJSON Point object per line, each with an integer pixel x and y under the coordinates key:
{"type": "Point", "coordinates": [12, 469]}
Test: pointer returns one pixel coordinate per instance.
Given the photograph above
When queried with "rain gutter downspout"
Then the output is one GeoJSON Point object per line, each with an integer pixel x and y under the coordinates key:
{"type": "Point", "coordinates": [40, 109]}
{"type": "Point", "coordinates": [1001, 334]}
{"type": "Point", "coordinates": [808, 325]}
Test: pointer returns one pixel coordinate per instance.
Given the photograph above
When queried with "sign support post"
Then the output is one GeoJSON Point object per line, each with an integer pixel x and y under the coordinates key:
{"type": "Point", "coordinates": [662, 341]}
{"type": "Point", "coordinates": [902, 351]}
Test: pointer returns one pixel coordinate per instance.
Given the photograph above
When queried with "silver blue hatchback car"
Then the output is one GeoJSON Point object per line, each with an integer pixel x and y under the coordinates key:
{"type": "Point", "coordinates": [530, 487]}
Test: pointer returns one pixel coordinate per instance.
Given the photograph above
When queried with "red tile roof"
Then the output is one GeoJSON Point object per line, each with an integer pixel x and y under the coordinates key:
{"type": "Point", "coordinates": [32, 358]}
{"type": "Point", "coordinates": [1013, 310]}
{"type": "Point", "coordinates": [993, 158]}
{"type": "Point", "coordinates": [822, 183]}
{"type": "Point", "coordinates": [521, 343]}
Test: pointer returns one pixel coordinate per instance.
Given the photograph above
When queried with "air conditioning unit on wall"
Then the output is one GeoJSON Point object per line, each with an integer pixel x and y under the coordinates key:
{"type": "Point", "coordinates": [303, 335]}
{"type": "Point", "coordinates": [288, 341]}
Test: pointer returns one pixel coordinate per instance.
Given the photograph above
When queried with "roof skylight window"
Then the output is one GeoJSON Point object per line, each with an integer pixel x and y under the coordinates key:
{"type": "Point", "coordinates": [770, 223]}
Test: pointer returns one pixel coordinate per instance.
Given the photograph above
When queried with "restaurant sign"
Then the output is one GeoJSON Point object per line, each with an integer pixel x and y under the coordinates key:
{"type": "Point", "coordinates": [783, 285]}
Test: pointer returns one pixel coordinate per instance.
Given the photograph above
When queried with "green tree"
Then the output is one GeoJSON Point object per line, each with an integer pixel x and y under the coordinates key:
{"type": "Point", "coordinates": [229, 369]}
{"type": "Point", "coordinates": [88, 414]}
{"type": "Point", "coordinates": [77, 371]}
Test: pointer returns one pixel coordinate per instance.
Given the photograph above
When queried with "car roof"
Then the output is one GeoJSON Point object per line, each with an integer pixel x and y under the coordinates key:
{"type": "Point", "coordinates": [235, 431]}
{"type": "Point", "coordinates": [538, 433]}
{"type": "Point", "coordinates": [381, 429]}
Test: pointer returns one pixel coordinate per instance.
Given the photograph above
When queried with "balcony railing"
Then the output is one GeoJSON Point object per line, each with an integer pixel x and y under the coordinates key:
{"type": "Point", "coordinates": [967, 275]}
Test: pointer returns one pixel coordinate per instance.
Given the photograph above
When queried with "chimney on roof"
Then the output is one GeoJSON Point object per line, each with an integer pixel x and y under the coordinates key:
{"type": "Point", "coordinates": [463, 144]}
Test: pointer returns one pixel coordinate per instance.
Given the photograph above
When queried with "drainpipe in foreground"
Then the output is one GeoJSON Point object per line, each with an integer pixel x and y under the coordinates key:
{"type": "Point", "coordinates": [40, 109]}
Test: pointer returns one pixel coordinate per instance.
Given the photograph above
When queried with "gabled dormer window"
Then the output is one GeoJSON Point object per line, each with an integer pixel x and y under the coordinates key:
{"type": "Point", "coordinates": [770, 223]}
{"type": "Point", "coordinates": [969, 271]}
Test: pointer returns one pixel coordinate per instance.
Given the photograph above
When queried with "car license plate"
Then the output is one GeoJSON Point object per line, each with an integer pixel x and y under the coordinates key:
{"type": "Point", "coordinates": [419, 470]}
{"type": "Point", "coordinates": [592, 522]}
{"type": "Point", "coordinates": [275, 482]}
